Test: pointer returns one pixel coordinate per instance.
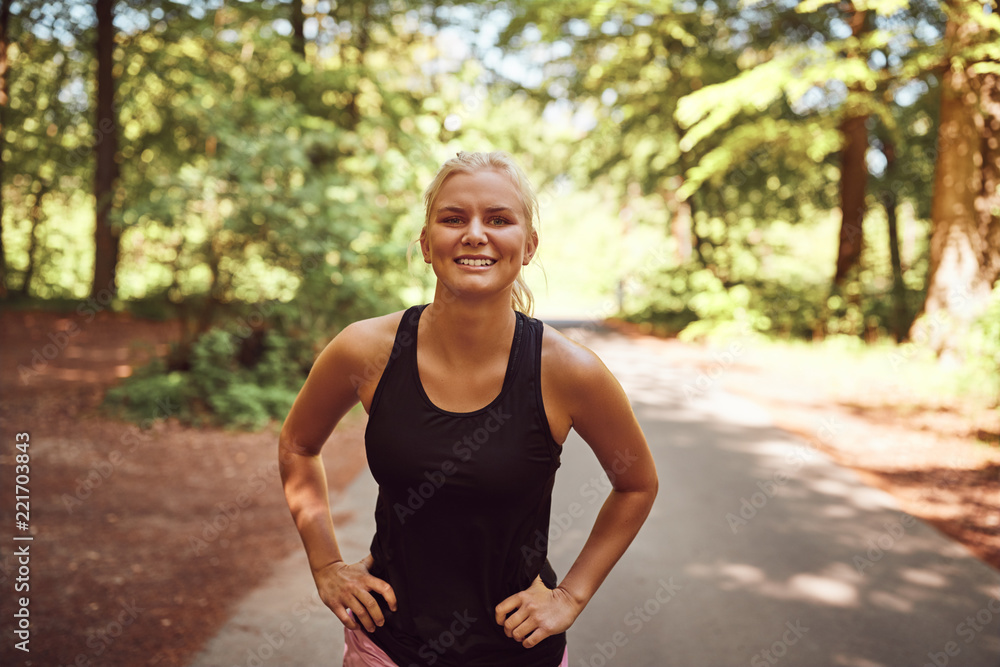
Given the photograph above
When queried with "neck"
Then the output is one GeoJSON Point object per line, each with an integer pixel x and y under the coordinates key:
{"type": "Point", "coordinates": [468, 329]}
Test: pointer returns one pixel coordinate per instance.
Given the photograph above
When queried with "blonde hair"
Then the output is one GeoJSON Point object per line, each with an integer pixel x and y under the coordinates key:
{"type": "Point", "coordinates": [467, 163]}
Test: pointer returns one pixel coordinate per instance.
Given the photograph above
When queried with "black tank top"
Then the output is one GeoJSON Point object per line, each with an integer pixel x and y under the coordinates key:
{"type": "Point", "coordinates": [462, 515]}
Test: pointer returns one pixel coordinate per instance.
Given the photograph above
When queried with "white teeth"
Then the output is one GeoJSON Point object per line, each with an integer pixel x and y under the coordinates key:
{"type": "Point", "coordinates": [476, 262]}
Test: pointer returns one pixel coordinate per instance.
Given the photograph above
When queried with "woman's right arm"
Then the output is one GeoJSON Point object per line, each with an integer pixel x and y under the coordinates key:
{"type": "Point", "coordinates": [329, 392]}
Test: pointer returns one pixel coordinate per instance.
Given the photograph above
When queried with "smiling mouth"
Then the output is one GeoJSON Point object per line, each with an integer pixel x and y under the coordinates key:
{"type": "Point", "coordinates": [476, 262]}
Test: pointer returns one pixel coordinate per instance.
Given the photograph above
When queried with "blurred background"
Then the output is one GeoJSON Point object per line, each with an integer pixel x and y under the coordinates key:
{"type": "Point", "coordinates": [196, 196]}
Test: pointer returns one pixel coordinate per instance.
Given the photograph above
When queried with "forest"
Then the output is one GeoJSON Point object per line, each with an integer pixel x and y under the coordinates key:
{"type": "Point", "coordinates": [799, 171]}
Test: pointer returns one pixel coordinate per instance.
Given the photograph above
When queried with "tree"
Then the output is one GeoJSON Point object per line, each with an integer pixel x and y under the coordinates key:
{"type": "Point", "coordinates": [965, 238]}
{"type": "Point", "coordinates": [4, 100]}
{"type": "Point", "coordinates": [853, 168]}
{"type": "Point", "coordinates": [46, 150]}
{"type": "Point", "coordinates": [107, 234]}
{"type": "Point", "coordinates": [738, 115]}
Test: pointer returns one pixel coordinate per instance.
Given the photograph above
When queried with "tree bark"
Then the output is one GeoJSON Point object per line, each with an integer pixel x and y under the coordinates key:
{"type": "Point", "coordinates": [988, 199]}
{"type": "Point", "coordinates": [37, 215]}
{"type": "Point", "coordinates": [965, 233]}
{"type": "Point", "coordinates": [4, 101]}
{"type": "Point", "coordinates": [853, 175]}
{"type": "Point", "coordinates": [106, 236]}
{"type": "Point", "coordinates": [680, 223]}
{"type": "Point", "coordinates": [898, 324]}
{"type": "Point", "coordinates": [853, 184]}
{"type": "Point", "coordinates": [298, 28]}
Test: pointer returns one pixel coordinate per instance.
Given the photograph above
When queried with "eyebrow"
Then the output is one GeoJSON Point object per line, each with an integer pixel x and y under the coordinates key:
{"type": "Point", "coordinates": [497, 208]}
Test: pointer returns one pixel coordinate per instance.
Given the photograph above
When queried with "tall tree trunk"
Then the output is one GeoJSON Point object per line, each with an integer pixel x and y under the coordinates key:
{"type": "Point", "coordinates": [680, 222]}
{"type": "Point", "coordinates": [4, 101]}
{"type": "Point", "coordinates": [965, 233]}
{"type": "Point", "coordinates": [853, 175]}
{"type": "Point", "coordinates": [106, 236]}
{"type": "Point", "coordinates": [890, 203]}
{"type": "Point", "coordinates": [988, 199]}
{"type": "Point", "coordinates": [853, 184]}
{"type": "Point", "coordinates": [37, 215]}
{"type": "Point", "coordinates": [298, 28]}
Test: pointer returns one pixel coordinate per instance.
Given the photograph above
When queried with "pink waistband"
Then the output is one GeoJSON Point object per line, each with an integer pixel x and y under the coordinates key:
{"type": "Point", "coordinates": [361, 651]}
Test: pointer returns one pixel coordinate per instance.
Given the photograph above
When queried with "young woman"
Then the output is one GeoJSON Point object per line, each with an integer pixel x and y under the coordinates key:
{"type": "Point", "coordinates": [469, 402]}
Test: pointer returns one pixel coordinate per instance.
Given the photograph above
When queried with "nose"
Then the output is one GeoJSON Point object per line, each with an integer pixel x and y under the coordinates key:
{"type": "Point", "coordinates": [475, 232]}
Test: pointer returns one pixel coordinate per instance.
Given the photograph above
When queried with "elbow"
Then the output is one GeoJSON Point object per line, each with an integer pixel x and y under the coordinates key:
{"type": "Point", "coordinates": [291, 450]}
{"type": "Point", "coordinates": [292, 442]}
{"type": "Point", "coordinates": [652, 489]}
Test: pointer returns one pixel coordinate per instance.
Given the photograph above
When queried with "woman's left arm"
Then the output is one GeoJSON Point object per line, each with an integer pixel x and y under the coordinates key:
{"type": "Point", "coordinates": [600, 412]}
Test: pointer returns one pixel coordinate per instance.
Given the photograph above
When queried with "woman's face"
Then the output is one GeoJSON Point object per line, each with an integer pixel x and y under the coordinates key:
{"type": "Point", "coordinates": [477, 238]}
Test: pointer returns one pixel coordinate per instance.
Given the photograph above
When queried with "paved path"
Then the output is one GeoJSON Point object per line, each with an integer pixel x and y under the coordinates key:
{"type": "Point", "coordinates": [759, 551]}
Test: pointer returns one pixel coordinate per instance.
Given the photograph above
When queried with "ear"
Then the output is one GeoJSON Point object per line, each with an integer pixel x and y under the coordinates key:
{"type": "Point", "coordinates": [424, 247]}
{"type": "Point", "coordinates": [530, 247]}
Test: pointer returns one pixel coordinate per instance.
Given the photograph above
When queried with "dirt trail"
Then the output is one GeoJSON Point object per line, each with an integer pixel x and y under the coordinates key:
{"type": "Point", "coordinates": [143, 538]}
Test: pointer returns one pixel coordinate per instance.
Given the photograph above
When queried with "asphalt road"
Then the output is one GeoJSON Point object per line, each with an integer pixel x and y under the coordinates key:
{"type": "Point", "coordinates": [759, 551]}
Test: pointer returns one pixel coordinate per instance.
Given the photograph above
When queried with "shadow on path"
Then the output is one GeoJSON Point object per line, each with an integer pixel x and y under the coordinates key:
{"type": "Point", "coordinates": [759, 550]}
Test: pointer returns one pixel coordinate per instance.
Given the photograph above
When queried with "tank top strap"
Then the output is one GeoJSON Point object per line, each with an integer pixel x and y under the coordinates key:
{"type": "Point", "coordinates": [529, 383]}
{"type": "Point", "coordinates": [403, 356]}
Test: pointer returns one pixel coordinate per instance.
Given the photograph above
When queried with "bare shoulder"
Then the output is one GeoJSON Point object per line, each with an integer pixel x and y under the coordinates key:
{"type": "Point", "coordinates": [576, 385]}
{"type": "Point", "coordinates": [569, 362]}
{"type": "Point", "coordinates": [374, 332]}
{"type": "Point", "coordinates": [359, 353]}
{"type": "Point", "coordinates": [344, 373]}
{"type": "Point", "coordinates": [365, 344]}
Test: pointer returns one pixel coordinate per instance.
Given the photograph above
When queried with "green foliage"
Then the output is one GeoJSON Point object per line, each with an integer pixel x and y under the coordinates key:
{"type": "Point", "coordinates": [729, 114]}
{"type": "Point", "coordinates": [775, 280]}
{"type": "Point", "coordinates": [218, 388]}
{"type": "Point", "coordinates": [153, 393]}
{"type": "Point", "coordinates": [687, 165]}
{"type": "Point", "coordinates": [982, 350]}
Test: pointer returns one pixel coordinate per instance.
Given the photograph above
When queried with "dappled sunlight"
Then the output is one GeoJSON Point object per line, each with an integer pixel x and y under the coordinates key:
{"type": "Point", "coordinates": [78, 375]}
{"type": "Point", "coordinates": [825, 590]}
{"type": "Point", "coordinates": [767, 526]}
{"type": "Point", "coordinates": [924, 577]}
{"type": "Point", "coordinates": [838, 512]}
{"type": "Point", "coordinates": [95, 354]}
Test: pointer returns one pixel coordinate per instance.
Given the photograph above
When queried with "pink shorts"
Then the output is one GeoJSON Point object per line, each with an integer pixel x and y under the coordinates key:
{"type": "Point", "coordinates": [361, 651]}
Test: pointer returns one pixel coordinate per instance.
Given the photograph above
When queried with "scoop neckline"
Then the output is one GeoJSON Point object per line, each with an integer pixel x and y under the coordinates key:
{"type": "Point", "coordinates": [507, 377]}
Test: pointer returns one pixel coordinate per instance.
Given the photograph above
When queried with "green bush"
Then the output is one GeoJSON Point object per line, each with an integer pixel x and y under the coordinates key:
{"type": "Point", "coordinates": [981, 349]}
{"type": "Point", "coordinates": [217, 389]}
{"type": "Point", "coordinates": [153, 393]}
